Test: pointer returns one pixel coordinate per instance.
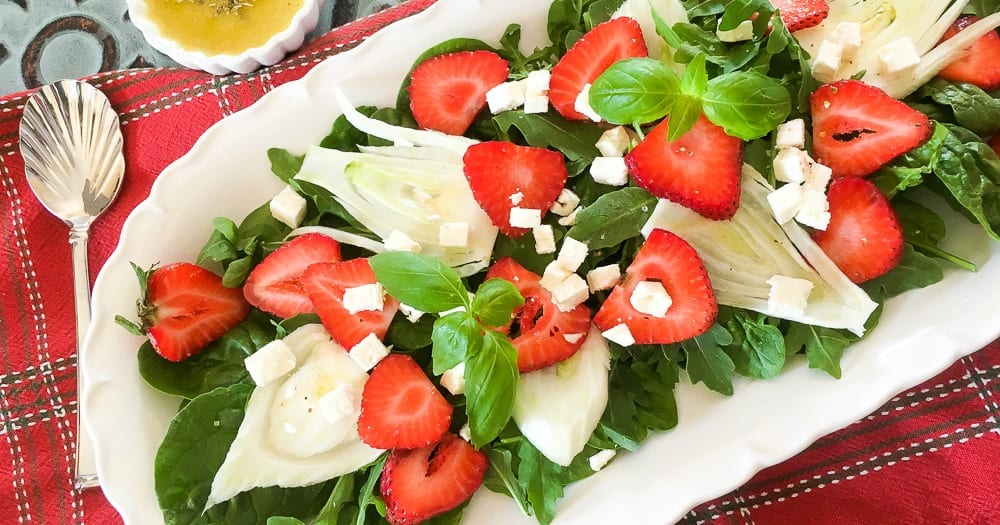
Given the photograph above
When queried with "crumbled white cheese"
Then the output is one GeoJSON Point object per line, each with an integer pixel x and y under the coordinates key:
{"type": "Point", "coordinates": [398, 241]}
{"type": "Point", "coordinates": [848, 35]}
{"type": "Point", "coordinates": [337, 403]}
{"type": "Point", "coordinates": [899, 55]}
{"type": "Point", "coordinates": [506, 96]}
{"type": "Point", "coordinates": [818, 176]}
{"type": "Point", "coordinates": [545, 240]}
{"type": "Point", "coordinates": [566, 202]}
{"type": "Point", "coordinates": [537, 83]}
{"type": "Point", "coordinates": [453, 379]}
{"type": "Point", "coordinates": [651, 298]}
{"type": "Point", "coordinates": [570, 219]}
{"type": "Point", "coordinates": [815, 210]}
{"type": "Point", "coordinates": [572, 254]}
{"type": "Point", "coordinates": [454, 234]}
{"type": "Point", "coordinates": [270, 362]}
{"type": "Point", "coordinates": [829, 56]}
{"type": "Point", "coordinates": [786, 201]}
{"type": "Point", "coordinates": [613, 142]}
{"type": "Point", "coordinates": [619, 334]}
{"type": "Point", "coordinates": [740, 33]}
{"type": "Point", "coordinates": [788, 296]}
{"type": "Point", "coordinates": [536, 104]}
{"type": "Point", "coordinates": [791, 134]}
{"type": "Point", "coordinates": [582, 104]}
{"type": "Point", "coordinates": [465, 432]}
{"type": "Point", "coordinates": [570, 293]}
{"type": "Point", "coordinates": [601, 459]}
{"type": "Point", "coordinates": [412, 314]}
{"type": "Point", "coordinates": [604, 277]}
{"type": "Point", "coordinates": [609, 170]}
{"type": "Point", "coordinates": [790, 165]}
{"type": "Point", "coordinates": [368, 352]}
{"type": "Point", "coordinates": [288, 207]}
{"type": "Point", "coordinates": [364, 298]}
{"type": "Point", "coordinates": [554, 274]}
{"type": "Point", "coordinates": [516, 198]}
{"type": "Point", "coordinates": [573, 338]}
{"type": "Point", "coordinates": [525, 217]}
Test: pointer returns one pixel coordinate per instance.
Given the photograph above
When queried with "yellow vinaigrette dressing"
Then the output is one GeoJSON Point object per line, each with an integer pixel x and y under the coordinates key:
{"type": "Point", "coordinates": [221, 27]}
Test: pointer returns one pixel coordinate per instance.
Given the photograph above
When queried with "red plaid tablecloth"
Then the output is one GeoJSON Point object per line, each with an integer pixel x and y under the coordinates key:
{"type": "Point", "coordinates": [929, 456]}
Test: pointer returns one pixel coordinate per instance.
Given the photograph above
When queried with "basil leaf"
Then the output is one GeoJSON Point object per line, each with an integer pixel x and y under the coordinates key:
{"type": "Point", "coordinates": [454, 337]}
{"type": "Point", "coordinates": [634, 90]}
{"type": "Point", "coordinates": [694, 80]}
{"type": "Point", "coordinates": [708, 363]}
{"type": "Point", "coordinates": [422, 282]}
{"type": "Point", "coordinates": [748, 105]}
{"type": "Point", "coordinates": [686, 111]}
{"type": "Point", "coordinates": [284, 164]}
{"type": "Point", "coordinates": [613, 218]}
{"type": "Point", "coordinates": [491, 378]}
{"type": "Point", "coordinates": [495, 301]}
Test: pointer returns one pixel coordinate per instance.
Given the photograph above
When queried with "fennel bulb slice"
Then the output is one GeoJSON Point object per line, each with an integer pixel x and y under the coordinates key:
{"type": "Point", "coordinates": [558, 407]}
{"type": "Point", "coordinates": [671, 11]}
{"type": "Point", "coordinates": [410, 194]}
{"type": "Point", "coordinates": [741, 254]}
{"type": "Point", "coordinates": [885, 21]}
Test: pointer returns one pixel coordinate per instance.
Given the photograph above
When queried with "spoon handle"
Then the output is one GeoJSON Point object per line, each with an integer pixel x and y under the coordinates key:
{"type": "Point", "coordinates": [86, 470]}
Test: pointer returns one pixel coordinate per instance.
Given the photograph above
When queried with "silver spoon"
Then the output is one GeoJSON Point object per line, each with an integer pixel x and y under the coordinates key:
{"type": "Point", "coordinates": [71, 142]}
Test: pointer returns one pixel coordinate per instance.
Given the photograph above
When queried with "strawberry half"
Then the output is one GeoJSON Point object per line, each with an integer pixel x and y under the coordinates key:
{"type": "Point", "coordinates": [325, 284]}
{"type": "Point", "coordinates": [496, 170]}
{"type": "Point", "coordinates": [857, 128]}
{"type": "Point", "coordinates": [864, 237]}
{"type": "Point", "coordinates": [801, 14]}
{"type": "Point", "coordinates": [184, 308]}
{"type": "Point", "coordinates": [605, 44]}
{"type": "Point", "coordinates": [421, 483]}
{"type": "Point", "coordinates": [670, 260]}
{"type": "Point", "coordinates": [700, 170]}
{"type": "Point", "coordinates": [275, 284]}
{"type": "Point", "coordinates": [980, 65]}
{"type": "Point", "coordinates": [400, 407]}
{"type": "Point", "coordinates": [995, 143]}
{"type": "Point", "coordinates": [541, 326]}
{"type": "Point", "coordinates": [448, 91]}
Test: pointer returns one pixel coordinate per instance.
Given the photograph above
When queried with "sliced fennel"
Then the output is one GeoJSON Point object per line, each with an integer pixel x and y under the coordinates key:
{"type": "Point", "coordinates": [885, 21]}
{"type": "Point", "coordinates": [410, 194]}
{"type": "Point", "coordinates": [342, 237]}
{"type": "Point", "coordinates": [671, 11]}
{"type": "Point", "coordinates": [741, 254]}
{"type": "Point", "coordinates": [558, 407]}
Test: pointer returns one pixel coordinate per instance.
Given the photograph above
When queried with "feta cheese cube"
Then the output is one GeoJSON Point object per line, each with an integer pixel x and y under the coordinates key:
{"type": "Point", "coordinates": [651, 298]}
{"type": "Point", "coordinates": [573, 338]}
{"type": "Point", "coordinates": [786, 201]}
{"type": "Point", "coordinates": [566, 202]}
{"type": "Point", "coordinates": [604, 277]}
{"type": "Point", "coordinates": [412, 314]}
{"type": "Point", "coordinates": [582, 104]}
{"type": "Point", "coordinates": [788, 296]}
{"type": "Point", "coordinates": [398, 241]}
{"type": "Point", "coordinates": [614, 142]}
{"type": "Point", "coordinates": [570, 292]}
{"type": "Point", "coordinates": [537, 83]}
{"type": "Point", "coordinates": [516, 198]}
{"type": "Point", "coordinates": [368, 352]}
{"type": "Point", "coordinates": [525, 217]}
{"type": "Point", "coordinates": [506, 96]}
{"type": "Point", "coordinates": [338, 403]}
{"type": "Point", "coordinates": [848, 35]}
{"type": "Point", "coordinates": [288, 207]}
{"type": "Point", "coordinates": [791, 134]}
{"type": "Point", "coordinates": [828, 59]}
{"type": "Point", "coordinates": [570, 219]}
{"type": "Point", "coordinates": [740, 33]}
{"type": "Point", "coordinates": [453, 379]}
{"type": "Point", "coordinates": [364, 298]}
{"type": "Point", "coordinates": [572, 254]}
{"type": "Point", "coordinates": [601, 459]}
{"type": "Point", "coordinates": [790, 165]}
{"type": "Point", "coordinates": [536, 104]}
{"type": "Point", "coordinates": [609, 170]}
{"type": "Point", "coordinates": [899, 55]}
{"type": "Point", "coordinates": [454, 234]}
{"type": "Point", "coordinates": [619, 334]}
{"type": "Point", "coordinates": [270, 362]}
{"type": "Point", "coordinates": [554, 274]}
{"type": "Point", "coordinates": [815, 210]}
{"type": "Point", "coordinates": [545, 240]}
{"type": "Point", "coordinates": [818, 176]}
{"type": "Point", "coordinates": [465, 432]}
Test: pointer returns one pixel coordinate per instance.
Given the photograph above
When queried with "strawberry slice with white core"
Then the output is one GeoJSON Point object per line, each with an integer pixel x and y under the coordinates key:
{"type": "Point", "coordinates": [671, 261]}
{"type": "Point", "coordinates": [544, 335]}
{"type": "Point", "coordinates": [186, 308]}
{"type": "Point", "coordinates": [275, 285]}
{"type": "Point", "coordinates": [400, 407]}
{"type": "Point", "coordinates": [699, 170]}
{"type": "Point", "coordinates": [605, 44]}
{"type": "Point", "coordinates": [325, 284]}
{"type": "Point", "coordinates": [420, 483]}
{"type": "Point", "coordinates": [864, 237]}
{"type": "Point", "coordinates": [496, 170]}
{"type": "Point", "coordinates": [857, 128]}
{"type": "Point", "coordinates": [448, 91]}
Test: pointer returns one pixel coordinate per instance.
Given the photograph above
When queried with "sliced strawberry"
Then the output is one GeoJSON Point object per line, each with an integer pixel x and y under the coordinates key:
{"type": "Point", "coordinates": [700, 170]}
{"type": "Point", "coordinates": [995, 143]}
{"type": "Point", "coordinates": [275, 284]}
{"type": "Point", "coordinates": [448, 91]}
{"type": "Point", "coordinates": [671, 261]}
{"type": "Point", "coordinates": [325, 284]}
{"type": "Point", "coordinates": [980, 65]}
{"type": "Point", "coordinates": [864, 237]}
{"type": "Point", "coordinates": [400, 407]}
{"type": "Point", "coordinates": [186, 307]}
{"type": "Point", "coordinates": [420, 483]}
{"type": "Point", "coordinates": [496, 170]}
{"type": "Point", "coordinates": [801, 14]}
{"type": "Point", "coordinates": [541, 326]}
{"type": "Point", "coordinates": [605, 44]}
{"type": "Point", "coordinates": [857, 128]}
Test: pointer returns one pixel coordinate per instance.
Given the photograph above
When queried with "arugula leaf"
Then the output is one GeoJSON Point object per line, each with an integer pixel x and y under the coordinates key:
{"type": "Point", "coordinates": [491, 378]}
{"type": "Point", "coordinates": [758, 351]}
{"type": "Point", "coordinates": [635, 90]}
{"type": "Point", "coordinates": [455, 336]}
{"type": "Point", "coordinates": [422, 282]}
{"type": "Point", "coordinates": [823, 346]}
{"type": "Point", "coordinates": [500, 478]}
{"type": "Point", "coordinates": [746, 104]}
{"type": "Point", "coordinates": [640, 394]}
{"type": "Point", "coordinates": [221, 245]}
{"type": "Point", "coordinates": [523, 250]}
{"type": "Point", "coordinates": [708, 363]}
{"type": "Point", "coordinates": [404, 335]}
{"type": "Point", "coordinates": [284, 520]}
{"type": "Point", "coordinates": [613, 218]}
{"type": "Point", "coordinates": [519, 63]}
{"type": "Point", "coordinates": [909, 169]}
{"type": "Point", "coordinates": [284, 164]}
{"type": "Point", "coordinates": [495, 301]}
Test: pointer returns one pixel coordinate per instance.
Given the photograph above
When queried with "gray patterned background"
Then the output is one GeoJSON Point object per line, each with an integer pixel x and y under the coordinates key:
{"type": "Point", "coordinates": [46, 40]}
